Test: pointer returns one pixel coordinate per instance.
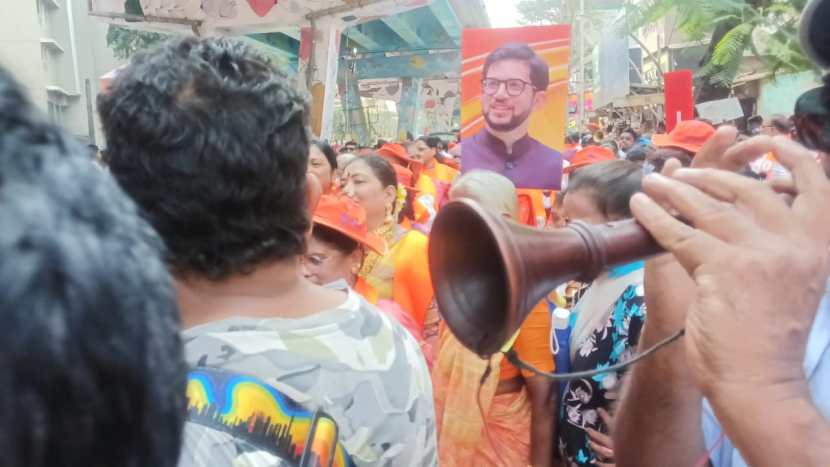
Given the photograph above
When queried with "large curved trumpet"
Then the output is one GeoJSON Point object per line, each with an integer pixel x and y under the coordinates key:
{"type": "Point", "coordinates": [488, 272]}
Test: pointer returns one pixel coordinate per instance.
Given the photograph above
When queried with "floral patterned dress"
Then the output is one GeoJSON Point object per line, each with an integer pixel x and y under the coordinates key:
{"type": "Point", "coordinates": [612, 342]}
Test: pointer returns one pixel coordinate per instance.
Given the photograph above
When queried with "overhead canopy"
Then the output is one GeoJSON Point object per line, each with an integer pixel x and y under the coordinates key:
{"type": "Point", "coordinates": [242, 16]}
{"type": "Point", "coordinates": [405, 39]}
{"type": "Point", "coordinates": [369, 26]}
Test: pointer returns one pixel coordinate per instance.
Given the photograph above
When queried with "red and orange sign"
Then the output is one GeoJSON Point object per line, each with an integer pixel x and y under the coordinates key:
{"type": "Point", "coordinates": [552, 44]}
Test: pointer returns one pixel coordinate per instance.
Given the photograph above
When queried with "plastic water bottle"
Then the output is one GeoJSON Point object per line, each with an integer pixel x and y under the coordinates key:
{"type": "Point", "coordinates": [561, 339]}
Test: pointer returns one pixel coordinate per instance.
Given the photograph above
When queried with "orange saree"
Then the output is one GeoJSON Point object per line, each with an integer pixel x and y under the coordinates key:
{"type": "Point", "coordinates": [465, 438]}
{"type": "Point", "coordinates": [402, 274]}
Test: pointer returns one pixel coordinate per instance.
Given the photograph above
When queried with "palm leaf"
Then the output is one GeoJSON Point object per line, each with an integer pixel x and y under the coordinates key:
{"type": "Point", "coordinates": [726, 74]}
{"type": "Point", "coordinates": [733, 44]}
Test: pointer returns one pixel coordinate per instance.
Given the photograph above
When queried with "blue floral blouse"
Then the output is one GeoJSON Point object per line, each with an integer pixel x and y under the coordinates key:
{"type": "Point", "coordinates": [613, 342]}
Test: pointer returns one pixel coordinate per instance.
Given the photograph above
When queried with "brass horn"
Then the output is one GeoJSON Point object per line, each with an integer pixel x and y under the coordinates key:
{"type": "Point", "coordinates": [488, 272]}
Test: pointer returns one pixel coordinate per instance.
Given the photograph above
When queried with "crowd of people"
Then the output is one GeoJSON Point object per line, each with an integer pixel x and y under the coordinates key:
{"type": "Point", "coordinates": [220, 289]}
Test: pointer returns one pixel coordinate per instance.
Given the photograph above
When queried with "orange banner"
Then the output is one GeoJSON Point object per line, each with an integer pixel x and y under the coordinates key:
{"type": "Point", "coordinates": [551, 44]}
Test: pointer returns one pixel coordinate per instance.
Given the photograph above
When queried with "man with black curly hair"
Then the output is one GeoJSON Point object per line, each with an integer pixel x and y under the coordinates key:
{"type": "Point", "coordinates": [93, 366]}
{"type": "Point", "coordinates": [211, 141]}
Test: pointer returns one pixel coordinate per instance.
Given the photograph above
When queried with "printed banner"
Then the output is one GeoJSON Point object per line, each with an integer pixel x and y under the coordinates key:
{"type": "Point", "coordinates": [523, 98]}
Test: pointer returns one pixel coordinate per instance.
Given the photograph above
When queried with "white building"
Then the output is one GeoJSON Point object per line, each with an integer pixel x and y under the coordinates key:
{"type": "Point", "coordinates": [58, 52]}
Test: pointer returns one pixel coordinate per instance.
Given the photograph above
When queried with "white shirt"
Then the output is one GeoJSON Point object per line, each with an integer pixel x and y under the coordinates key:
{"type": "Point", "coordinates": [817, 369]}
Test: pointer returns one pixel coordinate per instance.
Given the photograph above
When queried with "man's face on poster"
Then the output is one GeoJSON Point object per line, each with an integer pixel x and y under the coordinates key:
{"type": "Point", "coordinates": [508, 97]}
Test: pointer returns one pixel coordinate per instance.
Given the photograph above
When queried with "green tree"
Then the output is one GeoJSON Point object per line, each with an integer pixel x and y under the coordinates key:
{"type": "Point", "coordinates": [733, 29]}
{"type": "Point", "coordinates": [543, 11]}
{"type": "Point", "coordinates": [124, 42]}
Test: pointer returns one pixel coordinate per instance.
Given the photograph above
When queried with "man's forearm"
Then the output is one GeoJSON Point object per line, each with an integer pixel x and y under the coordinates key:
{"type": "Point", "coordinates": [658, 422]}
{"type": "Point", "coordinates": [774, 425]}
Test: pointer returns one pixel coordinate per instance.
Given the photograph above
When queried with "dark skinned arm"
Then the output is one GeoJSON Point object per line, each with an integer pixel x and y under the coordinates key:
{"type": "Point", "coordinates": [542, 420]}
{"type": "Point", "coordinates": [658, 421]}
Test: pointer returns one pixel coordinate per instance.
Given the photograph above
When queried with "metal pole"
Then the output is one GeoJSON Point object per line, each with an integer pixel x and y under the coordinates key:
{"type": "Point", "coordinates": [147, 19]}
{"type": "Point", "coordinates": [90, 115]}
{"type": "Point", "coordinates": [310, 69]}
{"type": "Point", "coordinates": [581, 88]}
{"type": "Point", "coordinates": [339, 10]}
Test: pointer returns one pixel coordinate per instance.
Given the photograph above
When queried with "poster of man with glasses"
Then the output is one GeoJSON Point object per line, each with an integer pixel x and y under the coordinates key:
{"type": "Point", "coordinates": [514, 95]}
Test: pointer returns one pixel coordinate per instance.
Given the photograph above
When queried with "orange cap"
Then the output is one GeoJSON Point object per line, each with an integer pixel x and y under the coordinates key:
{"type": "Point", "coordinates": [404, 177]}
{"type": "Point", "coordinates": [398, 152]}
{"type": "Point", "coordinates": [689, 135]}
{"type": "Point", "coordinates": [347, 217]}
{"type": "Point", "coordinates": [589, 155]}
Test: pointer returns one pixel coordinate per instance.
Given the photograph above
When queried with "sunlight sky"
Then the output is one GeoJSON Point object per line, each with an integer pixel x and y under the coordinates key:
{"type": "Point", "coordinates": [502, 13]}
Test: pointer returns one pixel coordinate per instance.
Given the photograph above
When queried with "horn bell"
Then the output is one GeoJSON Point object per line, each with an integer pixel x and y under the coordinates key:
{"type": "Point", "coordinates": [488, 272]}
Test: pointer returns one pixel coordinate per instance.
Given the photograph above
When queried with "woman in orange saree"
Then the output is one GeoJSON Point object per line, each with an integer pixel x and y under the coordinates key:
{"type": "Point", "coordinates": [488, 413]}
{"type": "Point", "coordinates": [402, 273]}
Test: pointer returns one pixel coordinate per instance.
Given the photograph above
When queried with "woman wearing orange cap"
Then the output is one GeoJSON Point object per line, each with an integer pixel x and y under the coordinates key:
{"type": "Point", "coordinates": [402, 274]}
{"type": "Point", "coordinates": [336, 248]}
{"type": "Point", "coordinates": [339, 242]}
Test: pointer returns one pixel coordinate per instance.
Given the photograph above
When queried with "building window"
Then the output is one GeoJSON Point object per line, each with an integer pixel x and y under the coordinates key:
{"type": "Point", "coordinates": [56, 113]}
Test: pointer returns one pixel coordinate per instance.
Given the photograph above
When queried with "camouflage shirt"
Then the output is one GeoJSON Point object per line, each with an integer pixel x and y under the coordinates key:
{"type": "Point", "coordinates": [353, 362]}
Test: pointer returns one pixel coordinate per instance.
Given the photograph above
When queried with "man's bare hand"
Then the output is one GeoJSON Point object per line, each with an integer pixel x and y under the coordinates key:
{"type": "Point", "coordinates": [759, 265]}
{"type": "Point", "coordinates": [669, 289]}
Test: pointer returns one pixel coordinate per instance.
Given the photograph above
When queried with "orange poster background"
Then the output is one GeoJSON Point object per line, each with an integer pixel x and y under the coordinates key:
{"type": "Point", "coordinates": [552, 44]}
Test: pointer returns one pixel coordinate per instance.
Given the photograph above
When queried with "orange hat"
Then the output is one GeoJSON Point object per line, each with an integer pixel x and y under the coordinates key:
{"type": "Point", "coordinates": [589, 155]}
{"type": "Point", "coordinates": [405, 177]}
{"type": "Point", "coordinates": [399, 153]}
{"type": "Point", "coordinates": [347, 217]}
{"type": "Point", "coordinates": [689, 135]}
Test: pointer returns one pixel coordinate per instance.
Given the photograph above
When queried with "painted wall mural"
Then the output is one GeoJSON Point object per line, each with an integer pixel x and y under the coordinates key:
{"type": "Point", "coordinates": [439, 99]}
{"type": "Point", "coordinates": [386, 89]}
